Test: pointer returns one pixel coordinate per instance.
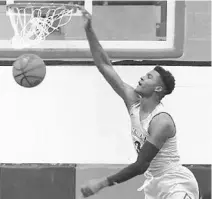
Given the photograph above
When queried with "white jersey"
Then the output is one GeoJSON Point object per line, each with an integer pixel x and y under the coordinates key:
{"type": "Point", "coordinates": [165, 174]}
{"type": "Point", "coordinates": [168, 154]}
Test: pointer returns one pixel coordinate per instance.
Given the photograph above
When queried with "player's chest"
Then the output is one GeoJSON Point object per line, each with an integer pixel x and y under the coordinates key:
{"type": "Point", "coordinates": [139, 129]}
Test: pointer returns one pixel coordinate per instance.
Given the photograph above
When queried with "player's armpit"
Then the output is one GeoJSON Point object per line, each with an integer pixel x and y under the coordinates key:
{"type": "Point", "coordinates": [131, 96]}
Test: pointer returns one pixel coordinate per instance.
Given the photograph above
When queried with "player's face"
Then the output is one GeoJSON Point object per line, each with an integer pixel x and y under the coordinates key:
{"type": "Point", "coordinates": [149, 84]}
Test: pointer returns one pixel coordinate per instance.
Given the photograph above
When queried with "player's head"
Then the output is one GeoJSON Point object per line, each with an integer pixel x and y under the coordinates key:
{"type": "Point", "coordinates": [158, 82]}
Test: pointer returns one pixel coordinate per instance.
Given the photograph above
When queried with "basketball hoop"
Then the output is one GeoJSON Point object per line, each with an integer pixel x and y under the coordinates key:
{"type": "Point", "coordinates": [33, 22]}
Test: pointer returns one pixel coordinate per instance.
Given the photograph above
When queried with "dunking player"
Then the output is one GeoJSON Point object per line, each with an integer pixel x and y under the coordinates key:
{"type": "Point", "coordinates": [153, 132]}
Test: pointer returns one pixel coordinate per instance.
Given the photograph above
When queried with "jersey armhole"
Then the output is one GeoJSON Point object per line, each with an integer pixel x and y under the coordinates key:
{"type": "Point", "coordinates": [131, 108]}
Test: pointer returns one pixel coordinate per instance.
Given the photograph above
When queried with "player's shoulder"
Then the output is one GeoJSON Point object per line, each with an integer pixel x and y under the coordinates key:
{"type": "Point", "coordinates": [163, 122]}
{"type": "Point", "coordinates": [162, 119]}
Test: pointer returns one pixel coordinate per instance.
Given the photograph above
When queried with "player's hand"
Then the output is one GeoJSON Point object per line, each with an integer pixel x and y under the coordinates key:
{"type": "Point", "coordinates": [87, 17]}
{"type": "Point", "coordinates": [93, 187]}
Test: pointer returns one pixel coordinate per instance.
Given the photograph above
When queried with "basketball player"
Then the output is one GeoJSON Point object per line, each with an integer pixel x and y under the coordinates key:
{"type": "Point", "coordinates": [153, 132]}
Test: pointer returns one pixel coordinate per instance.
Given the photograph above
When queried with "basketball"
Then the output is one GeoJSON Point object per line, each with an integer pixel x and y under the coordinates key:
{"type": "Point", "coordinates": [29, 70]}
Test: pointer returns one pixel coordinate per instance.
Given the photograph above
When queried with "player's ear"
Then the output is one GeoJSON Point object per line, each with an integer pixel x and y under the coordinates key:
{"type": "Point", "coordinates": [158, 89]}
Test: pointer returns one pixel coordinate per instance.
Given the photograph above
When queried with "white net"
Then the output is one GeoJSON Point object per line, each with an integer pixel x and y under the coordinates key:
{"type": "Point", "coordinates": [32, 23]}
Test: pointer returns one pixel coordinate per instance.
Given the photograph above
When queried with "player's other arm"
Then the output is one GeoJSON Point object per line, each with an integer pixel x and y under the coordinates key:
{"type": "Point", "coordinates": [101, 60]}
{"type": "Point", "coordinates": [161, 128]}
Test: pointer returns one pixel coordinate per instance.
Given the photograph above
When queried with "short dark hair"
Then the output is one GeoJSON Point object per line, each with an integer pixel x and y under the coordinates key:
{"type": "Point", "coordinates": [167, 78]}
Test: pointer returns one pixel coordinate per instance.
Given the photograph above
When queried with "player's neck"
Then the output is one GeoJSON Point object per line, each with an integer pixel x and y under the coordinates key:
{"type": "Point", "coordinates": [147, 105]}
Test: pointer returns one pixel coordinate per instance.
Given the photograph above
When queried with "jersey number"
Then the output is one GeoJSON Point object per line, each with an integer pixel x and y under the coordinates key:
{"type": "Point", "coordinates": [137, 146]}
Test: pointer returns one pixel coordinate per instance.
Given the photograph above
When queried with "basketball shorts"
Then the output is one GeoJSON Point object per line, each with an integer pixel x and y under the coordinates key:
{"type": "Point", "coordinates": [176, 183]}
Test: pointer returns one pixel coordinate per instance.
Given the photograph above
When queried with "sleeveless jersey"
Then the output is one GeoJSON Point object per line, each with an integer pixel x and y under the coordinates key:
{"type": "Point", "coordinates": [168, 155]}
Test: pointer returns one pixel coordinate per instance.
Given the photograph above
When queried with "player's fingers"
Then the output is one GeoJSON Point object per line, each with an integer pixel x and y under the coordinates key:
{"type": "Point", "coordinates": [79, 7]}
{"type": "Point", "coordinates": [86, 192]}
{"type": "Point", "coordinates": [84, 11]}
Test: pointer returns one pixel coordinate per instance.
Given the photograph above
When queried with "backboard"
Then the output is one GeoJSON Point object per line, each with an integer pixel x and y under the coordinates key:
{"type": "Point", "coordinates": [126, 30]}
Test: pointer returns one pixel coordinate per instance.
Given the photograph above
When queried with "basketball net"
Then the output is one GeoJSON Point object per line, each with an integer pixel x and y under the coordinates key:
{"type": "Point", "coordinates": [33, 22]}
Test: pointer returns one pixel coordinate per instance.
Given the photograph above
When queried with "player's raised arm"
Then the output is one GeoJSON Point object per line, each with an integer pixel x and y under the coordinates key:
{"type": "Point", "coordinates": [101, 60]}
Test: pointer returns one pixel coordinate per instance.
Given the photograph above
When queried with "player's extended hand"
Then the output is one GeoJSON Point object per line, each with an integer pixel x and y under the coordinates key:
{"type": "Point", "coordinates": [92, 187]}
{"type": "Point", "coordinates": [87, 17]}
